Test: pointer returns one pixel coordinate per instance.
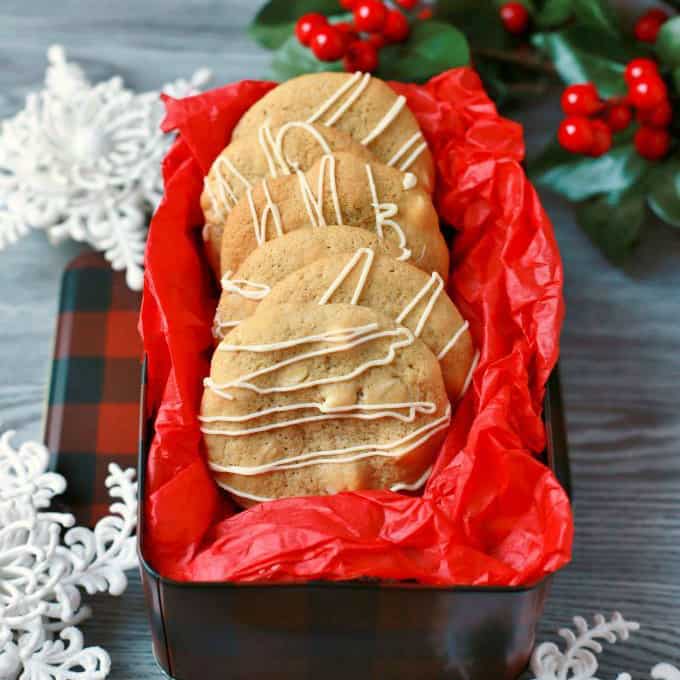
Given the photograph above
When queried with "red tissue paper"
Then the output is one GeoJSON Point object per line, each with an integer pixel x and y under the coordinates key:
{"type": "Point", "coordinates": [491, 512]}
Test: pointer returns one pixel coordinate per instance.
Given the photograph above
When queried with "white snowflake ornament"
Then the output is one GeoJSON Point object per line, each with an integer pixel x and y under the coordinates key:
{"type": "Point", "coordinates": [82, 161]}
{"type": "Point", "coordinates": [45, 561]}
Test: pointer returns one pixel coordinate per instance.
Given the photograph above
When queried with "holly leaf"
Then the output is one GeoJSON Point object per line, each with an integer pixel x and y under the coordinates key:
{"type": "Point", "coordinates": [664, 192]}
{"type": "Point", "coordinates": [597, 14]}
{"type": "Point", "coordinates": [613, 221]}
{"type": "Point", "coordinates": [293, 59]}
{"type": "Point", "coordinates": [668, 42]}
{"type": "Point", "coordinates": [554, 13]}
{"type": "Point", "coordinates": [581, 54]}
{"type": "Point", "coordinates": [432, 47]}
{"type": "Point", "coordinates": [275, 22]}
{"type": "Point", "coordinates": [579, 177]}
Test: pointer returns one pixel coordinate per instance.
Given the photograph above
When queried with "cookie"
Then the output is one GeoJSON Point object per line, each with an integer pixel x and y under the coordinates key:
{"type": "Point", "coordinates": [270, 153]}
{"type": "Point", "coordinates": [274, 260]}
{"type": "Point", "coordinates": [398, 290]}
{"type": "Point", "coordinates": [359, 104]}
{"type": "Point", "coordinates": [339, 189]}
{"type": "Point", "coordinates": [319, 399]}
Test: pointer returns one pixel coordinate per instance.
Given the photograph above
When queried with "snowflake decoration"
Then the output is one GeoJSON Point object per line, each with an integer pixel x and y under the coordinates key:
{"type": "Point", "coordinates": [83, 161]}
{"type": "Point", "coordinates": [578, 661]}
{"type": "Point", "coordinates": [45, 560]}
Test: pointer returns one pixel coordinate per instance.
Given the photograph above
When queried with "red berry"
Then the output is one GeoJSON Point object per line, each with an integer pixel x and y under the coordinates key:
{"type": "Point", "coordinates": [602, 138]}
{"type": "Point", "coordinates": [369, 16]}
{"type": "Point", "coordinates": [660, 116]}
{"type": "Point", "coordinates": [647, 92]}
{"type": "Point", "coordinates": [515, 17]}
{"type": "Point", "coordinates": [581, 100]}
{"type": "Point", "coordinates": [647, 28]}
{"type": "Point", "coordinates": [639, 68]}
{"type": "Point", "coordinates": [328, 43]}
{"type": "Point", "coordinates": [361, 56]}
{"type": "Point", "coordinates": [377, 40]}
{"type": "Point", "coordinates": [348, 4]}
{"type": "Point", "coordinates": [407, 4]}
{"type": "Point", "coordinates": [657, 14]}
{"type": "Point", "coordinates": [307, 25]}
{"type": "Point", "coordinates": [618, 117]}
{"type": "Point", "coordinates": [576, 134]}
{"type": "Point", "coordinates": [652, 143]}
{"type": "Point", "coordinates": [425, 14]}
{"type": "Point", "coordinates": [347, 30]}
{"type": "Point", "coordinates": [396, 28]}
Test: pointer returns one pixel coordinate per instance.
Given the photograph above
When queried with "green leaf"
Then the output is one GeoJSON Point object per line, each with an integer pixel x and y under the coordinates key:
{"type": "Point", "coordinates": [554, 13]}
{"type": "Point", "coordinates": [432, 47]}
{"type": "Point", "coordinates": [293, 59]}
{"type": "Point", "coordinates": [668, 42]}
{"type": "Point", "coordinates": [579, 177]}
{"type": "Point", "coordinates": [275, 22]}
{"type": "Point", "coordinates": [676, 77]}
{"type": "Point", "coordinates": [598, 14]}
{"type": "Point", "coordinates": [581, 54]}
{"type": "Point", "coordinates": [613, 221]}
{"type": "Point", "coordinates": [664, 191]}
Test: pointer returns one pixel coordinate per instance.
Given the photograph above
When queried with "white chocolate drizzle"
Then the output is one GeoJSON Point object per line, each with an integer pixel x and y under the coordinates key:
{"type": "Point", "coordinates": [385, 121]}
{"type": "Point", "coordinates": [409, 181]}
{"type": "Point", "coordinates": [260, 224]}
{"type": "Point", "coordinates": [435, 281]}
{"type": "Point", "coordinates": [343, 340]}
{"type": "Point", "coordinates": [404, 148]}
{"type": "Point", "coordinates": [314, 204]}
{"type": "Point", "coordinates": [384, 212]}
{"type": "Point", "coordinates": [250, 290]}
{"type": "Point", "coordinates": [360, 80]}
{"type": "Point", "coordinates": [337, 340]}
{"type": "Point", "coordinates": [227, 196]}
{"type": "Point", "coordinates": [413, 486]}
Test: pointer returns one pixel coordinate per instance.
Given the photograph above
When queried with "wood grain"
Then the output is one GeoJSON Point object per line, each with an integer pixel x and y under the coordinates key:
{"type": "Point", "coordinates": [620, 357]}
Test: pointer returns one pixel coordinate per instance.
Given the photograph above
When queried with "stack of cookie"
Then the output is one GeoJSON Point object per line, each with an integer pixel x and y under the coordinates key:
{"type": "Point", "coordinates": [340, 354]}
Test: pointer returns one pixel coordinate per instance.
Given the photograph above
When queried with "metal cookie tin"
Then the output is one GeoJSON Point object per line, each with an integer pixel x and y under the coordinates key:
{"type": "Point", "coordinates": [210, 631]}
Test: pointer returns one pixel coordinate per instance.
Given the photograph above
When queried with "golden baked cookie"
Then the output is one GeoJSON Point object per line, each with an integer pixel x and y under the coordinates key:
{"type": "Point", "coordinates": [358, 103]}
{"type": "Point", "coordinates": [274, 260]}
{"type": "Point", "coordinates": [398, 290]}
{"type": "Point", "coordinates": [269, 153]}
{"type": "Point", "coordinates": [339, 189]}
{"type": "Point", "coordinates": [318, 399]}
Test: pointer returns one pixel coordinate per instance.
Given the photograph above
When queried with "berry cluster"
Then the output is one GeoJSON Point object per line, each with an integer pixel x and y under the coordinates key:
{"type": "Point", "coordinates": [590, 122]}
{"type": "Point", "coordinates": [358, 42]}
{"type": "Point", "coordinates": [647, 27]}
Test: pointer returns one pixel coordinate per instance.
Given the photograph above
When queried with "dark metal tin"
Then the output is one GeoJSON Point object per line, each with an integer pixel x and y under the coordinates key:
{"type": "Point", "coordinates": [206, 631]}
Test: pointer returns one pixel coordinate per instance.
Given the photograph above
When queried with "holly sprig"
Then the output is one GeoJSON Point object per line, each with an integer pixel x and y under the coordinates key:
{"type": "Point", "coordinates": [615, 155]}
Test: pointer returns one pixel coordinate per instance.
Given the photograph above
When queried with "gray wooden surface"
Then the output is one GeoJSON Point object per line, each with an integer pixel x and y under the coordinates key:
{"type": "Point", "coordinates": [620, 357]}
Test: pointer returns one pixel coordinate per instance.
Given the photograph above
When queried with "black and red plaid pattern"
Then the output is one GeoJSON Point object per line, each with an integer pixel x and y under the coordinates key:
{"type": "Point", "coordinates": [93, 404]}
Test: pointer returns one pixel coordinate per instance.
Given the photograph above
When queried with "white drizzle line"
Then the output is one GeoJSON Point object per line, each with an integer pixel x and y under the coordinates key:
{"type": "Point", "coordinates": [438, 283]}
{"type": "Point", "coordinates": [409, 161]}
{"type": "Point", "coordinates": [260, 225]}
{"type": "Point", "coordinates": [314, 204]}
{"type": "Point", "coordinates": [327, 413]}
{"type": "Point", "coordinates": [278, 146]}
{"type": "Point", "coordinates": [360, 335]}
{"type": "Point", "coordinates": [454, 339]}
{"type": "Point", "coordinates": [352, 262]}
{"type": "Point", "coordinates": [243, 494]}
{"type": "Point", "coordinates": [268, 146]}
{"type": "Point", "coordinates": [219, 326]}
{"type": "Point", "coordinates": [413, 486]}
{"type": "Point", "coordinates": [360, 87]}
{"type": "Point", "coordinates": [385, 121]}
{"type": "Point", "coordinates": [227, 194]}
{"type": "Point", "coordinates": [383, 216]}
{"type": "Point", "coordinates": [250, 290]}
{"type": "Point", "coordinates": [409, 181]}
{"type": "Point", "coordinates": [395, 449]}
{"type": "Point", "coordinates": [468, 377]}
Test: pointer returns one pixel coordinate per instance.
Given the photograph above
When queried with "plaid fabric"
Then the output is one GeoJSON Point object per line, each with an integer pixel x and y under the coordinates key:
{"type": "Point", "coordinates": [93, 404]}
